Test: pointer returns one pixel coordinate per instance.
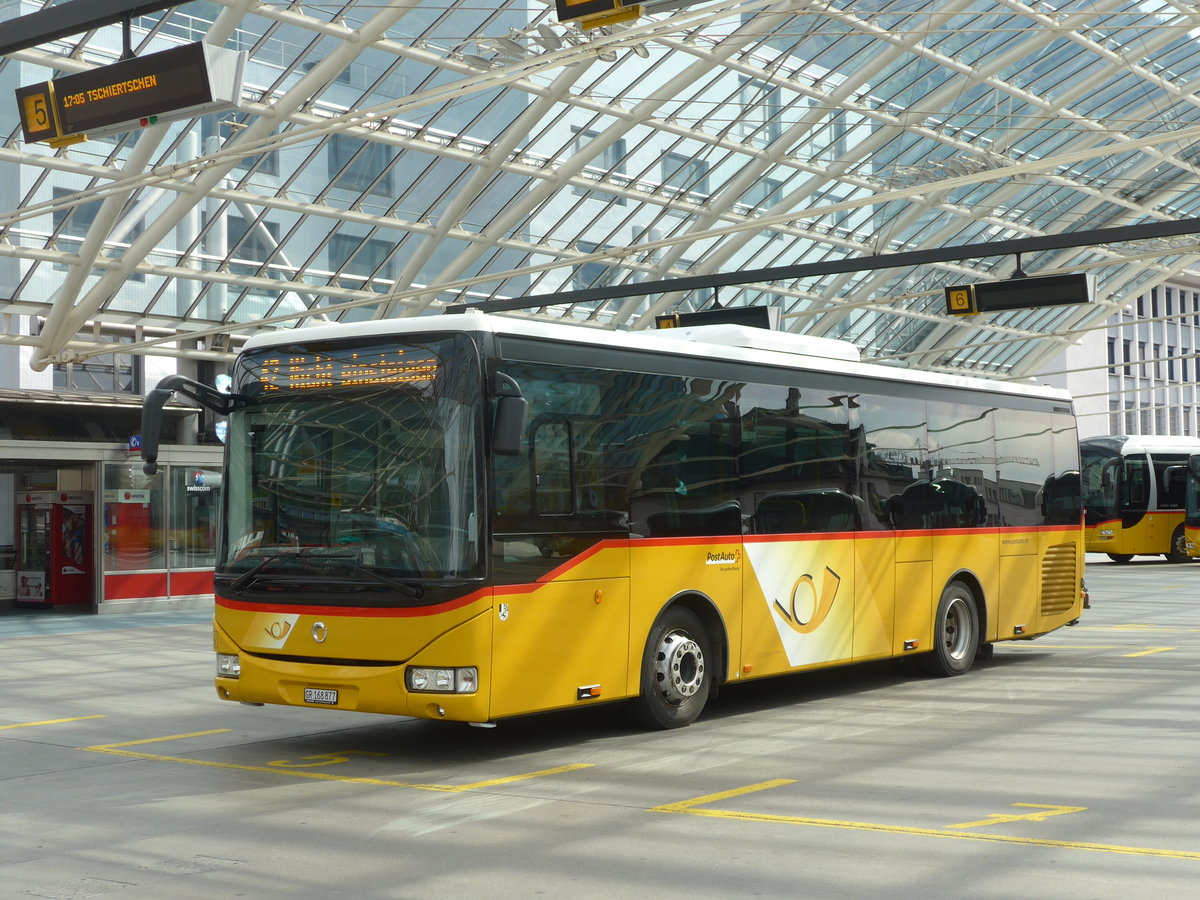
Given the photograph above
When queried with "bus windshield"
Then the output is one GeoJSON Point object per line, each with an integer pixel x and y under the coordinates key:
{"type": "Point", "coordinates": [1100, 472]}
{"type": "Point", "coordinates": [354, 469]}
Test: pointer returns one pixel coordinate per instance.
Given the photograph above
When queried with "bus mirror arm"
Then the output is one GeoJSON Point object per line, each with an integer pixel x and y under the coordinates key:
{"type": "Point", "coordinates": [152, 410]}
{"type": "Point", "coordinates": [511, 410]}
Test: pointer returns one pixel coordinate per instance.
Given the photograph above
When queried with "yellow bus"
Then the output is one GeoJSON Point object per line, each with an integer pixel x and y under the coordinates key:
{"type": "Point", "coordinates": [473, 517]}
{"type": "Point", "coordinates": [1133, 495]}
{"type": "Point", "coordinates": [1191, 512]}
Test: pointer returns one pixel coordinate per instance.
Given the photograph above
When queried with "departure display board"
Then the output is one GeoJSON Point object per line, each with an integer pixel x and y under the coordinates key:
{"type": "Point", "coordinates": [134, 92]}
{"type": "Point", "coordinates": [348, 368]}
{"type": "Point", "coordinates": [1018, 293]}
{"type": "Point", "coordinates": [595, 13]}
{"type": "Point", "coordinates": [134, 89]}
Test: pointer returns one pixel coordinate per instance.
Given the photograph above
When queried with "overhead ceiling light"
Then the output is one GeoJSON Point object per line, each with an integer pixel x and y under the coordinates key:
{"type": "Point", "coordinates": [547, 38]}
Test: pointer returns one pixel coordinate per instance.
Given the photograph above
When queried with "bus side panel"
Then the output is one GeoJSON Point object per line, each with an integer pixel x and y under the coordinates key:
{"type": "Point", "coordinates": [1020, 588]}
{"type": "Point", "coordinates": [1149, 535]}
{"type": "Point", "coordinates": [662, 569]}
{"type": "Point", "coordinates": [915, 607]}
{"type": "Point", "coordinates": [800, 603]}
{"type": "Point", "coordinates": [875, 598]}
{"type": "Point", "coordinates": [973, 552]}
{"type": "Point", "coordinates": [1020, 596]}
{"type": "Point", "coordinates": [552, 640]}
{"type": "Point", "coordinates": [915, 601]}
{"type": "Point", "coordinates": [1061, 573]}
{"type": "Point", "coordinates": [1162, 529]}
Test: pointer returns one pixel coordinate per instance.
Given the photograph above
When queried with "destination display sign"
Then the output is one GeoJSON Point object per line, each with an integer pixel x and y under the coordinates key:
{"type": "Point", "coordinates": [350, 368]}
{"type": "Point", "coordinates": [182, 81]}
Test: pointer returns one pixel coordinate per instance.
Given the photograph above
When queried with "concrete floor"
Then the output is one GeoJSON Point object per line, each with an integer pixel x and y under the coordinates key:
{"type": "Point", "coordinates": [1065, 767]}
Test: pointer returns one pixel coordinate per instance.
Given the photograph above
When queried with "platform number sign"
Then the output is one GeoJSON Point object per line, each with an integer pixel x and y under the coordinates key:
{"type": "Point", "coordinates": [36, 106]}
{"type": "Point", "coordinates": [960, 300]}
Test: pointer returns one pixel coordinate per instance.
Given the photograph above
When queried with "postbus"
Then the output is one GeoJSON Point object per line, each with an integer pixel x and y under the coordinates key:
{"type": "Point", "coordinates": [474, 517]}
{"type": "Point", "coordinates": [1191, 506]}
{"type": "Point", "coordinates": [1134, 495]}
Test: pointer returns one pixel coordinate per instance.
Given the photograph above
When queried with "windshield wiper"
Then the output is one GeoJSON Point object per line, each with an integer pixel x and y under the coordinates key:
{"type": "Point", "coordinates": [244, 580]}
{"type": "Point", "coordinates": [413, 590]}
{"type": "Point", "coordinates": [345, 557]}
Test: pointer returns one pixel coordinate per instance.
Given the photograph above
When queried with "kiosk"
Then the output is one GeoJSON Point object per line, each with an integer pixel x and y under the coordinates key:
{"type": "Point", "coordinates": [54, 549]}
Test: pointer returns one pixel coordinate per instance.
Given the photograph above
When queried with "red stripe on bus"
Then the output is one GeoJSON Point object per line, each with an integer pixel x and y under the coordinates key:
{"type": "Point", "coordinates": [619, 543]}
{"type": "Point", "coordinates": [358, 611]}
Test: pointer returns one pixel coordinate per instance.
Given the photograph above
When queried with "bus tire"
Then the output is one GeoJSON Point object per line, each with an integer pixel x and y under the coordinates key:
{"type": "Point", "coordinates": [1120, 558]}
{"type": "Point", "coordinates": [1178, 552]}
{"type": "Point", "coordinates": [955, 632]}
{"type": "Point", "coordinates": [676, 676]}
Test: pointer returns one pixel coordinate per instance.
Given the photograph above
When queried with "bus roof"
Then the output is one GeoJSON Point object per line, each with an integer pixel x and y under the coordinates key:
{"type": "Point", "coordinates": [728, 342]}
{"type": "Point", "coordinates": [1144, 443]}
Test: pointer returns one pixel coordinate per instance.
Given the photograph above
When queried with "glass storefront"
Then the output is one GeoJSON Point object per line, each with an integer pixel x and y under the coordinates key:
{"type": "Point", "coordinates": [159, 532]}
{"type": "Point", "coordinates": [194, 500]}
{"type": "Point", "coordinates": [133, 519]}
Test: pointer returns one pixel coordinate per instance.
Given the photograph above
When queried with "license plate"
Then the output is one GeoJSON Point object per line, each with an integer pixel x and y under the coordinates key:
{"type": "Point", "coordinates": [320, 695]}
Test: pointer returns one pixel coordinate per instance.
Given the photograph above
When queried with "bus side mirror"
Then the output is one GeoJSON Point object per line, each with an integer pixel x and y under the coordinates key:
{"type": "Point", "coordinates": [508, 429]}
{"type": "Point", "coordinates": [152, 411]}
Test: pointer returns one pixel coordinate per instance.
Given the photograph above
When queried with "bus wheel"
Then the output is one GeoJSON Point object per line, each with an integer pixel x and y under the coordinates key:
{"type": "Point", "coordinates": [675, 677]}
{"type": "Point", "coordinates": [1121, 558]}
{"type": "Point", "coordinates": [955, 632]}
{"type": "Point", "coordinates": [1178, 552]}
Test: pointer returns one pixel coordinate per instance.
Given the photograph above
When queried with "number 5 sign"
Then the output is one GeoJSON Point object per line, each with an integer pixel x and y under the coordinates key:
{"type": "Point", "coordinates": [38, 119]}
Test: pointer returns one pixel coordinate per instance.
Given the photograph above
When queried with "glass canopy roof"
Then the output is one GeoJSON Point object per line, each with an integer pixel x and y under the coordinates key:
{"type": "Point", "coordinates": [394, 158]}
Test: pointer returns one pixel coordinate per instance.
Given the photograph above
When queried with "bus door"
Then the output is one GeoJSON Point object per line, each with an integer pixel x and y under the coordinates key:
{"type": "Point", "coordinates": [560, 561]}
{"type": "Point", "coordinates": [1135, 496]}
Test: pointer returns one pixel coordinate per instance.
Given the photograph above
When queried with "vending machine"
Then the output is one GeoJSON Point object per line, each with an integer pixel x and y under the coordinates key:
{"type": "Point", "coordinates": [54, 549]}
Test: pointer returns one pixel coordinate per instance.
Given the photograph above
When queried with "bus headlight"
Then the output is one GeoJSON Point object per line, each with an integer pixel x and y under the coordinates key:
{"type": "Point", "coordinates": [427, 679]}
{"type": "Point", "coordinates": [228, 665]}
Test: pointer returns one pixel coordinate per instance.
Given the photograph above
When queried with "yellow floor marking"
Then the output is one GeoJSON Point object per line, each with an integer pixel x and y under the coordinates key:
{"type": "Point", "coordinates": [118, 750]}
{"type": "Point", "coordinates": [1147, 652]}
{"type": "Point", "coordinates": [1001, 818]}
{"type": "Point", "coordinates": [689, 807]}
{"type": "Point", "coordinates": [50, 722]}
{"type": "Point", "coordinates": [322, 759]}
{"type": "Point", "coordinates": [154, 740]}
{"type": "Point", "coordinates": [1039, 645]}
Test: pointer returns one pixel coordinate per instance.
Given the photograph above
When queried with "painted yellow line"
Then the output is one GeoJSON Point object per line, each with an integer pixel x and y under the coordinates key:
{"type": "Point", "coordinates": [118, 750]}
{"type": "Point", "coordinates": [1044, 812]}
{"type": "Point", "coordinates": [690, 808]}
{"type": "Point", "coordinates": [687, 805]}
{"type": "Point", "coordinates": [1147, 652]}
{"type": "Point", "coordinates": [154, 740]}
{"type": "Point", "coordinates": [1040, 645]}
{"type": "Point", "coordinates": [510, 779]}
{"type": "Point", "coordinates": [50, 722]}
